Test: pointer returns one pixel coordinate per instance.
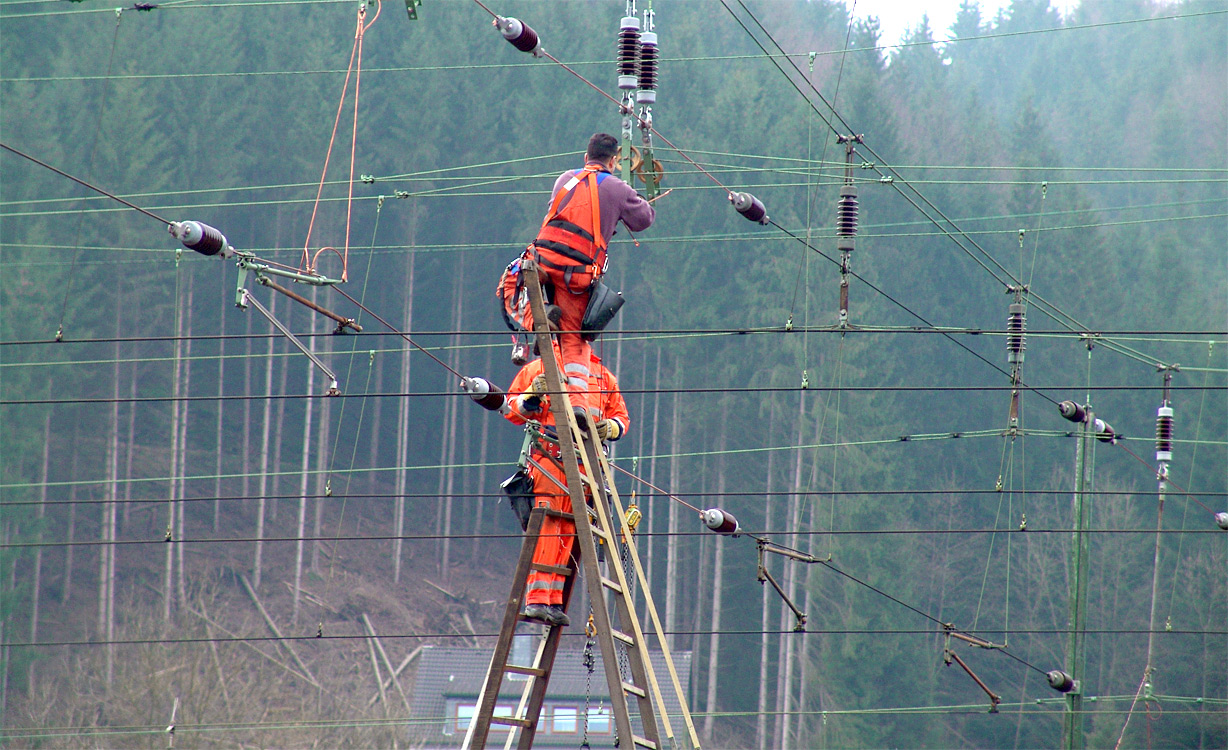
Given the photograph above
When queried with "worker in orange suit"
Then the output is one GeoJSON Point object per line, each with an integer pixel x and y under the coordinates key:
{"type": "Point", "coordinates": [570, 251]}
{"type": "Point", "coordinates": [528, 399]}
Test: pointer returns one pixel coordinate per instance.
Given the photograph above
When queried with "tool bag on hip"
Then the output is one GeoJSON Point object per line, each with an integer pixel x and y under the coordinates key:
{"type": "Point", "coordinates": [519, 489]}
{"type": "Point", "coordinates": [603, 303]}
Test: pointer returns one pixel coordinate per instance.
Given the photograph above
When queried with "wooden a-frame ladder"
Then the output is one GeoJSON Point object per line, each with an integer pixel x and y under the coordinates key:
{"type": "Point", "coordinates": [588, 473]}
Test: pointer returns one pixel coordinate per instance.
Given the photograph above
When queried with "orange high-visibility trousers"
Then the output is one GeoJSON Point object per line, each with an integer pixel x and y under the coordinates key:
{"type": "Point", "coordinates": [577, 354]}
{"type": "Point", "coordinates": [558, 535]}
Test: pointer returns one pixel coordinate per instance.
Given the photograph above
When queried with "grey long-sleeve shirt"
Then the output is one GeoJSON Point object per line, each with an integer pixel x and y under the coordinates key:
{"type": "Point", "coordinates": [619, 202]}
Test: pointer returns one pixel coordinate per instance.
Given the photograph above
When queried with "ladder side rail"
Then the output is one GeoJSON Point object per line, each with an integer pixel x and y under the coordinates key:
{"type": "Point", "coordinates": [479, 727]}
{"type": "Point", "coordinates": [608, 473]}
{"type": "Point", "coordinates": [560, 406]}
{"type": "Point", "coordinates": [641, 664]}
{"type": "Point", "coordinates": [534, 695]}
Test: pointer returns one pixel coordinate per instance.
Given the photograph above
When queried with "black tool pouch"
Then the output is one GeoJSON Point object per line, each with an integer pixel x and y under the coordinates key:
{"type": "Point", "coordinates": [519, 489]}
{"type": "Point", "coordinates": [603, 305]}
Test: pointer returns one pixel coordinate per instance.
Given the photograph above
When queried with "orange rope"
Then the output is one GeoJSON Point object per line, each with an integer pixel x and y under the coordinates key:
{"type": "Point", "coordinates": [306, 262]}
{"type": "Point", "coordinates": [349, 199]}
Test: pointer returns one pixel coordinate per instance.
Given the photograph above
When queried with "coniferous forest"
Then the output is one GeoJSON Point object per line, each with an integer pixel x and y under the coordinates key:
{"type": "Point", "coordinates": [183, 509]}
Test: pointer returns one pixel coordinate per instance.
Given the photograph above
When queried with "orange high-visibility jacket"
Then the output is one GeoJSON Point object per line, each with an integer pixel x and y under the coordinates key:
{"type": "Point", "coordinates": [602, 382]}
{"type": "Point", "coordinates": [570, 241]}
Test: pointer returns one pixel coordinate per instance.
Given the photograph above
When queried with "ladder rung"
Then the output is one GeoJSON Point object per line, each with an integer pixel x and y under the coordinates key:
{"type": "Point", "coordinates": [518, 669]}
{"type": "Point", "coordinates": [601, 533]}
{"type": "Point", "coordinates": [509, 721]}
{"type": "Point", "coordinates": [619, 635]}
{"type": "Point", "coordinates": [560, 570]}
{"type": "Point", "coordinates": [634, 690]}
{"type": "Point", "coordinates": [612, 585]}
{"type": "Point", "coordinates": [642, 742]}
{"type": "Point", "coordinates": [559, 514]}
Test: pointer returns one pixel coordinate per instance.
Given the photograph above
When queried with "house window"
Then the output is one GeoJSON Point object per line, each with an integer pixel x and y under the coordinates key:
{"type": "Point", "coordinates": [464, 715]}
{"type": "Point", "coordinates": [466, 711]}
{"type": "Point", "coordinates": [599, 719]}
{"type": "Point", "coordinates": [564, 720]}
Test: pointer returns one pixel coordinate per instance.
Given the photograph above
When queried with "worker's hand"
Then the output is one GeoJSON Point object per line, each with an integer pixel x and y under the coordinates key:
{"type": "Point", "coordinates": [538, 386]}
{"type": "Point", "coordinates": [530, 403]}
{"type": "Point", "coordinates": [608, 429]}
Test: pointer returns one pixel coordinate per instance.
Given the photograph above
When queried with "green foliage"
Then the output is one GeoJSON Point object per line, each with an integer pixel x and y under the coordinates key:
{"type": "Point", "coordinates": [1064, 134]}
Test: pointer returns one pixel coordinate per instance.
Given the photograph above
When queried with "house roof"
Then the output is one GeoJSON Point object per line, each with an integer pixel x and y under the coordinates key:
{"type": "Point", "coordinates": [447, 675]}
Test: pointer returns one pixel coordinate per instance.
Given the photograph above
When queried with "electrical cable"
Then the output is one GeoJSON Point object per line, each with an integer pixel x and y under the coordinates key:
{"type": "Point", "coordinates": [79, 181]}
{"type": "Point", "coordinates": [713, 494]}
{"type": "Point", "coordinates": [1048, 308]}
{"type": "Point", "coordinates": [322, 638]}
{"type": "Point", "coordinates": [687, 390]}
{"type": "Point", "coordinates": [102, 105]}
{"type": "Point", "coordinates": [916, 315]}
{"type": "Point", "coordinates": [656, 332]}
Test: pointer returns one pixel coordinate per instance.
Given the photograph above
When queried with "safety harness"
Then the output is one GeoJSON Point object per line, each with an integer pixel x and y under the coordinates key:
{"type": "Point", "coordinates": [570, 240]}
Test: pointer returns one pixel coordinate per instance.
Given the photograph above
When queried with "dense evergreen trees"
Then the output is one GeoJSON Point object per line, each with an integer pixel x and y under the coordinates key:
{"type": "Point", "coordinates": [1087, 155]}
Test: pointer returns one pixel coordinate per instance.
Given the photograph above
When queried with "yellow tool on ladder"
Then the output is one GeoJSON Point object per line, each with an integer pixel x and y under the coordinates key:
{"type": "Point", "coordinates": [599, 512]}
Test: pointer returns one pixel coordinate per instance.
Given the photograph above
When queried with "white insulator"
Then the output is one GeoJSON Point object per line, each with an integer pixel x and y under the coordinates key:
{"type": "Point", "coordinates": [1221, 520]}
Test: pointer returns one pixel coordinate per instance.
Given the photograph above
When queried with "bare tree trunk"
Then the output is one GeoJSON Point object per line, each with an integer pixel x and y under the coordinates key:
{"type": "Point", "coordinates": [480, 505]}
{"type": "Point", "coordinates": [788, 644]}
{"type": "Point", "coordinates": [182, 463]}
{"type": "Point", "coordinates": [262, 501]}
{"type": "Point", "coordinates": [377, 409]}
{"type": "Point", "coordinates": [131, 445]}
{"type": "Point", "coordinates": [401, 477]}
{"type": "Point", "coordinates": [652, 468]}
{"type": "Point", "coordinates": [169, 573]}
{"type": "Point", "coordinates": [672, 561]}
{"type": "Point", "coordinates": [450, 440]}
{"type": "Point", "coordinates": [66, 594]}
{"type": "Point", "coordinates": [323, 461]}
{"type": "Point", "coordinates": [247, 415]}
{"type": "Point", "coordinates": [275, 489]}
{"type": "Point", "coordinates": [714, 641]}
{"type": "Point", "coordinates": [305, 477]}
{"type": "Point", "coordinates": [808, 585]}
{"type": "Point", "coordinates": [221, 391]}
{"type": "Point", "coordinates": [106, 552]}
{"type": "Point", "coordinates": [761, 722]}
{"type": "Point", "coordinates": [37, 575]}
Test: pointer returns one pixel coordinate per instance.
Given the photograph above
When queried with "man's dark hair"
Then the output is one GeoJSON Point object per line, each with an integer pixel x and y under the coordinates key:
{"type": "Point", "coordinates": [601, 147]}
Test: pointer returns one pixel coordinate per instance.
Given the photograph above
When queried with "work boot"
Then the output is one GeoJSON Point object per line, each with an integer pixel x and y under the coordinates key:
{"type": "Point", "coordinates": [550, 614]}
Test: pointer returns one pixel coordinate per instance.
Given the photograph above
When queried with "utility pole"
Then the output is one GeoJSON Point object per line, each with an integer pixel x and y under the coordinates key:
{"type": "Point", "coordinates": [1072, 721]}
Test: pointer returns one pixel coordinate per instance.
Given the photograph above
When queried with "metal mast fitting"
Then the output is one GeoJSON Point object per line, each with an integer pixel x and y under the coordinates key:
{"type": "Point", "coordinates": [846, 222]}
{"type": "Point", "coordinates": [949, 655]}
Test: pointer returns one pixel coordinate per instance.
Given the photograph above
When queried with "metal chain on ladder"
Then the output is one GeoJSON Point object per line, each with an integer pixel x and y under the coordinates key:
{"type": "Point", "coordinates": [590, 635]}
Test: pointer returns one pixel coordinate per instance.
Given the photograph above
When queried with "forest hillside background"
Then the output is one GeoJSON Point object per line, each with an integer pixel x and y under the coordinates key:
{"type": "Point", "coordinates": [170, 462]}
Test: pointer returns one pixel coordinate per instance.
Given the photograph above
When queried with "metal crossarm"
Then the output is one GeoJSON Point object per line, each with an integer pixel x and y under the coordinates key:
{"type": "Point", "coordinates": [598, 513]}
